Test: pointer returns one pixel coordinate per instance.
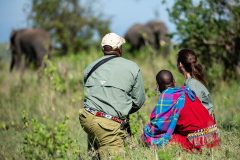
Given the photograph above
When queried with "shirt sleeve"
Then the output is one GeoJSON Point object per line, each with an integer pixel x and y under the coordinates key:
{"type": "Point", "coordinates": [138, 93]}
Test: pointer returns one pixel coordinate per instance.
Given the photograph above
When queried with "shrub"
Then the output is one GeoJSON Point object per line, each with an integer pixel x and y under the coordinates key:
{"type": "Point", "coordinates": [51, 71]}
{"type": "Point", "coordinates": [43, 141]}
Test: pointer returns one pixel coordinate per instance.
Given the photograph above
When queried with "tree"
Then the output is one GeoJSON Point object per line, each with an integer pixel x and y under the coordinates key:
{"type": "Point", "coordinates": [72, 25]}
{"type": "Point", "coordinates": [212, 28]}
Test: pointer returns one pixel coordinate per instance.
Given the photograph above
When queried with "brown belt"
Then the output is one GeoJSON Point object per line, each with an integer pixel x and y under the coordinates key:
{"type": "Point", "coordinates": [102, 114]}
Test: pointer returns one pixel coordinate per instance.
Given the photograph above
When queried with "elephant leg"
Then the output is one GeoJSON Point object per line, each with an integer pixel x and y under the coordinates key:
{"type": "Point", "coordinates": [40, 52]}
{"type": "Point", "coordinates": [28, 61]}
{"type": "Point", "coordinates": [23, 65]}
{"type": "Point", "coordinates": [22, 71]}
{"type": "Point", "coordinates": [12, 64]}
{"type": "Point", "coordinates": [16, 62]}
{"type": "Point", "coordinates": [40, 61]}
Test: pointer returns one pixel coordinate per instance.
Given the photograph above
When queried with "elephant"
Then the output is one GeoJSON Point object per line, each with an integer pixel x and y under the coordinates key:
{"type": "Point", "coordinates": [29, 46]}
{"type": "Point", "coordinates": [159, 31]}
{"type": "Point", "coordinates": [153, 33]}
{"type": "Point", "coordinates": [139, 35]}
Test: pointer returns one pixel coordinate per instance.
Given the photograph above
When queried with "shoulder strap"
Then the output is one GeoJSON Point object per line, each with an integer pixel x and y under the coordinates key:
{"type": "Point", "coordinates": [97, 65]}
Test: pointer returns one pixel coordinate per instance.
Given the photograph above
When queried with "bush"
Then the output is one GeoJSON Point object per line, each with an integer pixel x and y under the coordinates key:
{"type": "Point", "coordinates": [51, 71]}
{"type": "Point", "coordinates": [43, 141]}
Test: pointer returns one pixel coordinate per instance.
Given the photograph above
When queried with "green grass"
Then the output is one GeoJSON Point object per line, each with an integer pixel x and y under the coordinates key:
{"type": "Point", "coordinates": [37, 95]}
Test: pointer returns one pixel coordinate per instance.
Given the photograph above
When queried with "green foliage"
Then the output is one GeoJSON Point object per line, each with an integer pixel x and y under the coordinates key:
{"type": "Point", "coordinates": [214, 74]}
{"type": "Point", "coordinates": [225, 95]}
{"type": "Point", "coordinates": [53, 75]}
{"type": "Point", "coordinates": [139, 119]}
{"type": "Point", "coordinates": [163, 155]}
{"type": "Point", "coordinates": [212, 29]}
{"type": "Point", "coordinates": [43, 141]}
{"type": "Point", "coordinates": [137, 122]}
{"type": "Point", "coordinates": [72, 24]}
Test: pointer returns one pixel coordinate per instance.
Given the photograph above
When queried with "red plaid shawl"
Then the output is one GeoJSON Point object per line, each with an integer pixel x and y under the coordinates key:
{"type": "Point", "coordinates": [164, 116]}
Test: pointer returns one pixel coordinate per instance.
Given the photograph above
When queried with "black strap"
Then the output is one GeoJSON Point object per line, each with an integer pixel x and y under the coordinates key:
{"type": "Point", "coordinates": [97, 65]}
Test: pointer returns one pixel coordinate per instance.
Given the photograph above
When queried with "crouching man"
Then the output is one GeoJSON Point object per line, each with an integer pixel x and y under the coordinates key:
{"type": "Point", "coordinates": [113, 88]}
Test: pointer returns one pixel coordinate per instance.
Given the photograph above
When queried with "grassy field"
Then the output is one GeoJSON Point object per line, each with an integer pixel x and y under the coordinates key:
{"type": "Point", "coordinates": [39, 111]}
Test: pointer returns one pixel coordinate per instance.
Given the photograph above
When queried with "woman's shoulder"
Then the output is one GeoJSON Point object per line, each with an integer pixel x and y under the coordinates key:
{"type": "Point", "coordinates": [196, 85]}
{"type": "Point", "coordinates": [193, 81]}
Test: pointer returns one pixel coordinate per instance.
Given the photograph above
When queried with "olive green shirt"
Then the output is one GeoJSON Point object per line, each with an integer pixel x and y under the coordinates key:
{"type": "Point", "coordinates": [115, 87]}
{"type": "Point", "coordinates": [201, 92]}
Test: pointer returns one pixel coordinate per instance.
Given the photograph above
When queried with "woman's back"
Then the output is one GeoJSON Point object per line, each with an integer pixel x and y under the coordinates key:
{"type": "Point", "coordinates": [201, 92]}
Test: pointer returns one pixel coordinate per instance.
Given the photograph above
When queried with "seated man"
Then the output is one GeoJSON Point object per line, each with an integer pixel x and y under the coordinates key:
{"type": "Point", "coordinates": [179, 117]}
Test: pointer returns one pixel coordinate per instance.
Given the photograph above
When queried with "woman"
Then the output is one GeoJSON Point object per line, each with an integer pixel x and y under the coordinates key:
{"type": "Point", "coordinates": [179, 117]}
{"type": "Point", "coordinates": [192, 71]}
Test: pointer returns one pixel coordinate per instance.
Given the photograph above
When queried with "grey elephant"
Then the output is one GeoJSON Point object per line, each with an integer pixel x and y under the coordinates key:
{"type": "Point", "coordinates": [160, 32]}
{"type": "Point", "coordinates": [153, 33]}
{"type": "Point", "coordinates": [139, 35]}
{"type": "Point", "coordinates": [29, 46]}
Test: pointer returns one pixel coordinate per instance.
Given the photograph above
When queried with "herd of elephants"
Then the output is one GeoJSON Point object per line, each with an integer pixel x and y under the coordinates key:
{"type": "Point", "coordinates": [29, 46]}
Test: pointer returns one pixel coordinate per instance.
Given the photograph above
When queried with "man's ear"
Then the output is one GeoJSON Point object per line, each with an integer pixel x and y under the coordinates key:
{"type": "Point", "coordinates": [174, 83]}
{"type": "Point", "coordinates": [119, 51]}
{"type": "Point", "coordinates": [157, 86]}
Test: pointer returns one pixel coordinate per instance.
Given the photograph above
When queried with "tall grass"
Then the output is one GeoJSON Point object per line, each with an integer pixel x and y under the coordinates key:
{"type": "Point", "coordinates": [36, 94]}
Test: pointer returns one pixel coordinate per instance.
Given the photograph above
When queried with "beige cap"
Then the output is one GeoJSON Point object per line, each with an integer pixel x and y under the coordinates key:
{"type": "Point", "coordinates": [113, 40]}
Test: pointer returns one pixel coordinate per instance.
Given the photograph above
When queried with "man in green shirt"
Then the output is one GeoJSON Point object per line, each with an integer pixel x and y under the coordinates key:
{"type": "Point", "coordinates": [112, 92]}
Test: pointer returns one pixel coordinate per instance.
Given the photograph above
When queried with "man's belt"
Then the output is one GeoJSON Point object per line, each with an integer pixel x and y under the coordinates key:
{"type": "Point", "coordinates": [102, 114]}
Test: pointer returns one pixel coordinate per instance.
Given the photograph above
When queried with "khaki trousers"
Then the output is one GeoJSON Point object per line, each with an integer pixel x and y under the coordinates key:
{"type": "Point", "coordinates": [105, 137]}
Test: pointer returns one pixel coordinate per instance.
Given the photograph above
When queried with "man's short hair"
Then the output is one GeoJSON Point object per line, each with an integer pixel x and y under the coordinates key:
{"type": "Point", "coordinates": [164, 80]}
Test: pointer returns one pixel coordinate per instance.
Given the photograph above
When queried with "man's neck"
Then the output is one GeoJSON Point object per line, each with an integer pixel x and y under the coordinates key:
{"type": "Point", "coordinates": [111, 53]}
